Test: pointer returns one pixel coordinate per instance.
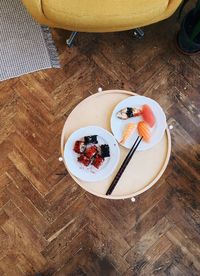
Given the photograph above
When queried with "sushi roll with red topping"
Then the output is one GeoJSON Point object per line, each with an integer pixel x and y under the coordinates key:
{"type": "Point", "coordinates": [90, 139]}
{"type": "Point", "coordinates": [79, 147]}
{"type": "Point", "coordinates": [105, 151]}
{"type": "Point", "coordinates": [91, 152]}
{"type": "Point", "coordinates": [84, 160]}
{"type": "Point", "coordinates": [97, 161]}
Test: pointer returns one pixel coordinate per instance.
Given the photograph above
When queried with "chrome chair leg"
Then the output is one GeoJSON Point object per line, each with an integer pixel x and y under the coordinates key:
{"type": "Point", "coordinates": [70, 40]}
{"type": "Point", "coordinates": [138, 33]}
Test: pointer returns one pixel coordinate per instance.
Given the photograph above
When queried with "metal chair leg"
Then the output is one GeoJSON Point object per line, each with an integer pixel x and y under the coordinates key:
{"type": "Point", "coordinates": [138, 33]}
{"type": "Point", "coordinates": [70, 40]}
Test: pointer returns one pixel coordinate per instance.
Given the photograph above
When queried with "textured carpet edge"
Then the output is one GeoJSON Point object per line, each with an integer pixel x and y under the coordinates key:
{"type": "Point", "coordinates": [52, 51]}
{"type": "Point", "coordinates": [50, 44]}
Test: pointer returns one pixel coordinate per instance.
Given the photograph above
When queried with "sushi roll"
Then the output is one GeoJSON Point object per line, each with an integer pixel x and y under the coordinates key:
{"type": "Point", "coordinates": [90, 139]}
{"type": "Point", "coordinates": [98, 161]}
{"type": "Point", "coordinates": [79, 147]}
{"type": "Point", "coordinates": [84, 160]}
{"type": "Point", "coordinates": [128, 112]}
{"type": "Point", "coordinates": [105, 151]}
{"type": "Point", "coordinates": [91, 152]}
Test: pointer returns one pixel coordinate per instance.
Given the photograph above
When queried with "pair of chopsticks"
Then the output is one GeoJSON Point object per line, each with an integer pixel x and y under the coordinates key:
{"type": "Point", "coordinates": [124, 165]}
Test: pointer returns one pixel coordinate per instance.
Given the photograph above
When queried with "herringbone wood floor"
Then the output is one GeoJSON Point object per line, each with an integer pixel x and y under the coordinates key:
{"type": "Point", "coordinates": [50, 225]}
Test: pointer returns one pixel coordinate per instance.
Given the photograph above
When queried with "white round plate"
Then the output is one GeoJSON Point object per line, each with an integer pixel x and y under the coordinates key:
{"type": "Point", "coordinates": [118, 125]}
{"type": "Point", "coordinates": [90, 173]}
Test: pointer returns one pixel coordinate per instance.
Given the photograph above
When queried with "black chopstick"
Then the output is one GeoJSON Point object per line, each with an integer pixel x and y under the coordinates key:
{"type": "Point", "coordinates": [124, 165]}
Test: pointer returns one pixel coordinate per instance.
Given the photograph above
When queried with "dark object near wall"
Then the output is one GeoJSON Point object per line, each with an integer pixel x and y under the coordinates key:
{"type": "Point", "coordinates": [188, 38]}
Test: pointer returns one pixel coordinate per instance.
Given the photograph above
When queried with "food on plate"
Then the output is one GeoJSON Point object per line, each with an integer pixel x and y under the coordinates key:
{"type": "Point", "coordinates": [84, 160]}
{"type": "Point", "coordinates": [144, 131]}
{"type": "Point", "coordinates": [79, 147]}
{"type": "Point", "coordinates": [90, 152]}
{"type": "Point", "coordinates": [90, 139]}
{"type": "Point", "coordinates": [148, 115]}
{"type": "Point", "coordinates": [128, 112]}
{"type": "Point", "coordinates": [129, 129]}
{"type": "Point", "coordinates": [97, 161]}
{"type": "Point", "coordinates": [149, 120]}
{"type": "Point", "coordinates": [105, 151]}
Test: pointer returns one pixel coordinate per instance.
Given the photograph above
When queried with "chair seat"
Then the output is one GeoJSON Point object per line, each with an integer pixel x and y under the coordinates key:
{"type": "Point", "coordinates": [102, 15]}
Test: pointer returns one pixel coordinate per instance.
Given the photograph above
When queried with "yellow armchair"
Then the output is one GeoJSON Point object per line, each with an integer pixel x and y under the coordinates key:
{"type": "Point", "coordinates": [100, 15]}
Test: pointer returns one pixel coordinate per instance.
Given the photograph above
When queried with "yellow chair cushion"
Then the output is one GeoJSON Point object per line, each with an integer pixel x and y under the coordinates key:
{"type": "Point", "coordinates": [102, 15]}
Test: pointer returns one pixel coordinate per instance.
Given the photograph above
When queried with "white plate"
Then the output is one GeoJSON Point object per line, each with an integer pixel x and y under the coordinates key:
{"type": "Point", "coordinates": [90, 173]}
{"type": "Point", "coordinates": [157, 132]}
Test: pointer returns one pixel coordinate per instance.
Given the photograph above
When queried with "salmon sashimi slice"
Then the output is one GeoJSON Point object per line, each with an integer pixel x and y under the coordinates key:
{"type": "Point", "coordinates": [144, 131]}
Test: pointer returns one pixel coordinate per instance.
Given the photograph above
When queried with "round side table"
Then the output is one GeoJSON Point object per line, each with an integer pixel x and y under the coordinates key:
{"type": "Point", "coordinates": [144, 169]}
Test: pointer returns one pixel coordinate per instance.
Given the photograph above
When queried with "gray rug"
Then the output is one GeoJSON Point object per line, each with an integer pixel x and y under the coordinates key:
{"type": "Point", "coordinates": [25, 46]}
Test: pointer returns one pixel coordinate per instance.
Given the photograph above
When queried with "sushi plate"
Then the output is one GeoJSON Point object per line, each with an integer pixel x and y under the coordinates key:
{"type": "Point", "coordinates": [118, 126]}
{"type": "Point", "coordinates": [97, 110]}
{"type": "Point", "coordinates": [90, 173]}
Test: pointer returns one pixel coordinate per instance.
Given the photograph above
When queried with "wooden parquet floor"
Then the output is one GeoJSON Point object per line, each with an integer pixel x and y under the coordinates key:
{"type": "Point", "coordinates": [48, 224]}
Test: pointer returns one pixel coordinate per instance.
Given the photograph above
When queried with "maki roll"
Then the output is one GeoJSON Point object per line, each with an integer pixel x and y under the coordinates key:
{"type": "Point", "coordinates": [91, 152]}
{"type": "Point", "coordinates": [84, 160]}
{"type": "Point", "coordinates": [90, 139]}
{"type": "Point", "coordinates": [105, 151]}
{"type": "Point", "coordinates": [79, 147]}
{"type": "Point", "coordinates": [97, 161]}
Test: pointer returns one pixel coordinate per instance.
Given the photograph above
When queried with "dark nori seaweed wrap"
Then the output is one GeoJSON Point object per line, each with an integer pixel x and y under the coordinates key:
{"type": "Point", "coordinates": [129, 112]}
{"type": "Point", "coordinates": [105, 151]}
{"type": "Point", "coordinates": [90, 139]}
